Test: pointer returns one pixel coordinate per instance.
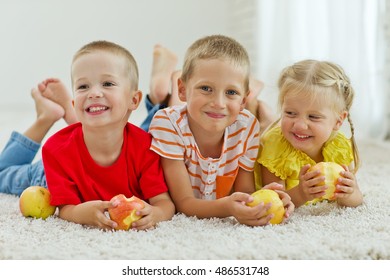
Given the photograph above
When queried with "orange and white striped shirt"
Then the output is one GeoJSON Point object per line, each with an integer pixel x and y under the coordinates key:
{"type": "Point", "coordinates": [211, 178]}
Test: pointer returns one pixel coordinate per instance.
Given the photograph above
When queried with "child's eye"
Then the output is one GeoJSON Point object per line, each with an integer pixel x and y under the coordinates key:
{"type": "Point", "coordinates": [315, 117]}
{"type": "Point", "coordinates": [206, 88]}
{"type": "Point", "coordinates": [231, 92]}
{"type": "Point", "coordinates": [108, 84]}
{"type": "Point", "coordinates": [81, 87]}
{"type": "Point", "coordinates": [289, 113]}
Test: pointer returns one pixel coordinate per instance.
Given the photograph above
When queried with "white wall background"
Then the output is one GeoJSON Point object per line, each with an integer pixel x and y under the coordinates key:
{"type": "Point", "coordinates": [39, 37]}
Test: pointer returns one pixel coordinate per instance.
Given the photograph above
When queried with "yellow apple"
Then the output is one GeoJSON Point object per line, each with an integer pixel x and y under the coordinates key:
{"type": "Point", "coordinates": [269, 196]}
{"type": "Point", "coordinates": [35, 202]}
{"type": "Point", "coordinates": [124, 214]}
{"type": "Point", "coordinates": [331, 172]}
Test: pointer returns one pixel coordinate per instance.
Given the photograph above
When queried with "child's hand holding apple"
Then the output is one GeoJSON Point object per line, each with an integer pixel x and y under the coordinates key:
{"type": "Point", "coordinates": [124, 211]}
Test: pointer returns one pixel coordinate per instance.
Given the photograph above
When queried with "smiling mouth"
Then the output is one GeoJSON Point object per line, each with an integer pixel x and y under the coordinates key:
{"type": "Point", "coordinates": [215, 115]}
{"type": "Point", "coordinates": [96, 109]}
{"type": "Point", "coordinates": [301, 137]}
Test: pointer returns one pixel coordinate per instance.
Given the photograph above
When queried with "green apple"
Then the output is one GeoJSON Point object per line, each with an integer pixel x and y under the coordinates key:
{"type": "Point", "coordinates": [35, 202]}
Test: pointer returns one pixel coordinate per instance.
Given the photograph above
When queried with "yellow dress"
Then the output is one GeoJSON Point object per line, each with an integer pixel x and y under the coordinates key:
{"type": "Point", "coordinates": [283, 160]}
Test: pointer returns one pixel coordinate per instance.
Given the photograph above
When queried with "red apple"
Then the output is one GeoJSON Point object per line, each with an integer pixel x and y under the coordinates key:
{"type": "Point", "coordinates": [331, 172]}
{"type": "Point", "coordinates": [124, 214]}
{"type": "Point", "coordinates": [269, 196]}
{"type": "Point", "coordinates": [35, 202]}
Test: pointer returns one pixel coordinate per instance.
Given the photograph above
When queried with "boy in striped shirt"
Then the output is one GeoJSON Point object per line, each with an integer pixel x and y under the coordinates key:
{"type": "Point", "coordinates": [209, 145]}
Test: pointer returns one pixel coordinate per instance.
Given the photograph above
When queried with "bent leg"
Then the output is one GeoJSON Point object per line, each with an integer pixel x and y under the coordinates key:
{"type": "Point", "coordinates": [151, 109]}
{"type": "Point", "coordinates": [19, 150]}
{"type": "Point", "coordinates": [164, 63]}
{"type": "Point", "coordinates": [15, 179]}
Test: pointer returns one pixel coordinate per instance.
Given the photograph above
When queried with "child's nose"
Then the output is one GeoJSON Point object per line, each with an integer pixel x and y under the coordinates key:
{"type": "Point", "coordinates": [95, 92]}
{"type": "Point", "coordinates": [219, 100]}
{"type": "Point", "coordinates": [300, 123]}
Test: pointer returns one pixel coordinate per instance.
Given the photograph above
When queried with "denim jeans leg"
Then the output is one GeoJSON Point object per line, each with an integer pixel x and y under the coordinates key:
{"type": "Point", "coordinates": [151, 109]}
{"type": "Point", "coordinates": [19, 150]}
{"type": "Point", "coordinates": [15, 179]}
{"type": "Point", "coordinates": [16, 169]}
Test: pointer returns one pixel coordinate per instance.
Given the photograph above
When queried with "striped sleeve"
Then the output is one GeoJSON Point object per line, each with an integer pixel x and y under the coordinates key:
{"type": "Point", "coordinates": [167, 140]}
{"type": "Point", "coordinates": [250, 144]}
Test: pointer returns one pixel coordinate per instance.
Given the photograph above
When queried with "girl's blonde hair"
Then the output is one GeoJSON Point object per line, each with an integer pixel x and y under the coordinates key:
{"type": "Point", "coordinates": [216, 47]}
{"type": "Point", "coordinates": [106, 46]}
{"type": "Point", "coordinates": [324, 81]}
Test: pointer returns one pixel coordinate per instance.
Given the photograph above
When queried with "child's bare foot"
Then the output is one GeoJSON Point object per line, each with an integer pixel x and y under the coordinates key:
{"type": "Point", "coordinates": [56, 91]}
{"type": "Point", "coordinates": [48, 112]}
{"type": "Point", "coordinates": [258, 108]}
{"type": "Point", "coordinates": [164, 63]}
{"type": "Point", "coordinates": [45, 108]}
{"type": "Point", "coordinates": [174, 99]}
{"type": "Point", "coordinates": [255, 86]}
{"type": "Point", "coordinates": [265, 115]}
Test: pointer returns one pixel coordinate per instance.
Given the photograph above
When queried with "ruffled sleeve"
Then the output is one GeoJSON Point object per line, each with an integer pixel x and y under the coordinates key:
{"type": "Point", "coordinates": [338, 149]}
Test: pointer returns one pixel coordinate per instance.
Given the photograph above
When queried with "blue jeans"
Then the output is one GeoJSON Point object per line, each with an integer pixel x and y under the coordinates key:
{"type": "Point", "coordinates": [17, 172]}
{"type": "Point", "coordinates": [152, 109]}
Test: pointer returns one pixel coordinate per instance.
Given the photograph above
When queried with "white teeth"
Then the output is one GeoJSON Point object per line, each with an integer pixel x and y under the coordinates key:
{"type": "Point", "coordinates": [301, 136]}
{"type": "Point", "coordinates": [97, 109]}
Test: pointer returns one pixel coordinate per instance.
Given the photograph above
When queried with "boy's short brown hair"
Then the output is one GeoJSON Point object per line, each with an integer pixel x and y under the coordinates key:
{"type": "Point", "coordinates": [106, 46]}
{"type": "Point", "coordinates": [216, 47]}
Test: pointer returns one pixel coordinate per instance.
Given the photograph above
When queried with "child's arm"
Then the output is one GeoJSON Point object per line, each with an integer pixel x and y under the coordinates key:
{"type": "Point", "coordinates": [305, 191]}
{"type": "Point", "coordinates": [88, 213]}
{"type": "Point", "coordinates": [180, 189]}
{"type": "Point", "coordinates": [348, 193]}
{"type": "Point", "coordinates": [160, 208]}
{"type": "Point", "coordinates": [245, 181]}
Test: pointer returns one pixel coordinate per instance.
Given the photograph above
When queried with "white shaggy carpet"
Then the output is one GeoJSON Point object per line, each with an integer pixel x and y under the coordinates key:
{"type": "Point", "coordinates": [323, 231]}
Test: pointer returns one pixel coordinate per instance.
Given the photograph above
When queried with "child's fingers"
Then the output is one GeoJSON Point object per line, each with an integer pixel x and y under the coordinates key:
{"type": "Point", "coordinates": [274, 186]}
{"type": "Point", "coordinates": [105, 205]}
{"type": "Point", "coordinates": [290, 207]}
{"type": "Point", "coordinates": [242, 197]}
{"type": "Point", "coordinates": [347, 174]}
{"type": "Point", "coordinates": [142, 224]}
{"type": "Point", "coordinates": [259, 211]}
{"type": "Point", "coordinates": [110, 223]}
{"type": "Point", "coordinates": [304, 169]}
{"type": "Point", "coordinates": [105, 222]}
{"type": "Point", "coordinates": [265, 220]}
{"type": "Point", "coordinates": [144, 211]}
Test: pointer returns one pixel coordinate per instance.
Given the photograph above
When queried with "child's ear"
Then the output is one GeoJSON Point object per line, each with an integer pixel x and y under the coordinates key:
{"type": "Point", "coordinates": [181, 87]}
{"type": "Point", "coordinates": [340, 120]}
{"type": "Point", "coordinates": [135, 99]}
{"type": "Point", "coordinates": [243, 102]}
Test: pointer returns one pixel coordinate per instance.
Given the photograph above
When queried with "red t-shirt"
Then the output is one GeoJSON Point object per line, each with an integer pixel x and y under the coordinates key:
{"type": "Point", "coordinates": [73, 176]}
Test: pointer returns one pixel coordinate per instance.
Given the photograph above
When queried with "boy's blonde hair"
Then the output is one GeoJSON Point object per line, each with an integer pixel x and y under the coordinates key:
{"type": "Point", "coordinates": [106, 46]}
{"type": "Point", "coordinates": [216, 47]}
{"type": "Point", "coordinates": [324, 81]}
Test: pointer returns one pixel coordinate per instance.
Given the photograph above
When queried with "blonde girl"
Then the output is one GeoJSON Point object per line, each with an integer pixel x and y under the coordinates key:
{"type": "Point", "coordinates": [315, 98]}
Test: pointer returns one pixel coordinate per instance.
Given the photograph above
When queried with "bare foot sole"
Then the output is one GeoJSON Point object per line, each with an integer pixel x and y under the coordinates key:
{"type": "Point", "coordinates": [164, 63]}
{"type": "Point", "coordinates": [45, 108]}
{"type": "Point", "coordinates": [265, 115]}
{"type": "Point", "coordinates": [56, 91]}
{"type": "Point", "coordinates": [255, 87]}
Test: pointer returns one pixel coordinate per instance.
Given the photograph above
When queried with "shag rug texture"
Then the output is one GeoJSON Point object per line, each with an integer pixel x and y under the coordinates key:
{"type": "Point", "coordinates": [324, 231]}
